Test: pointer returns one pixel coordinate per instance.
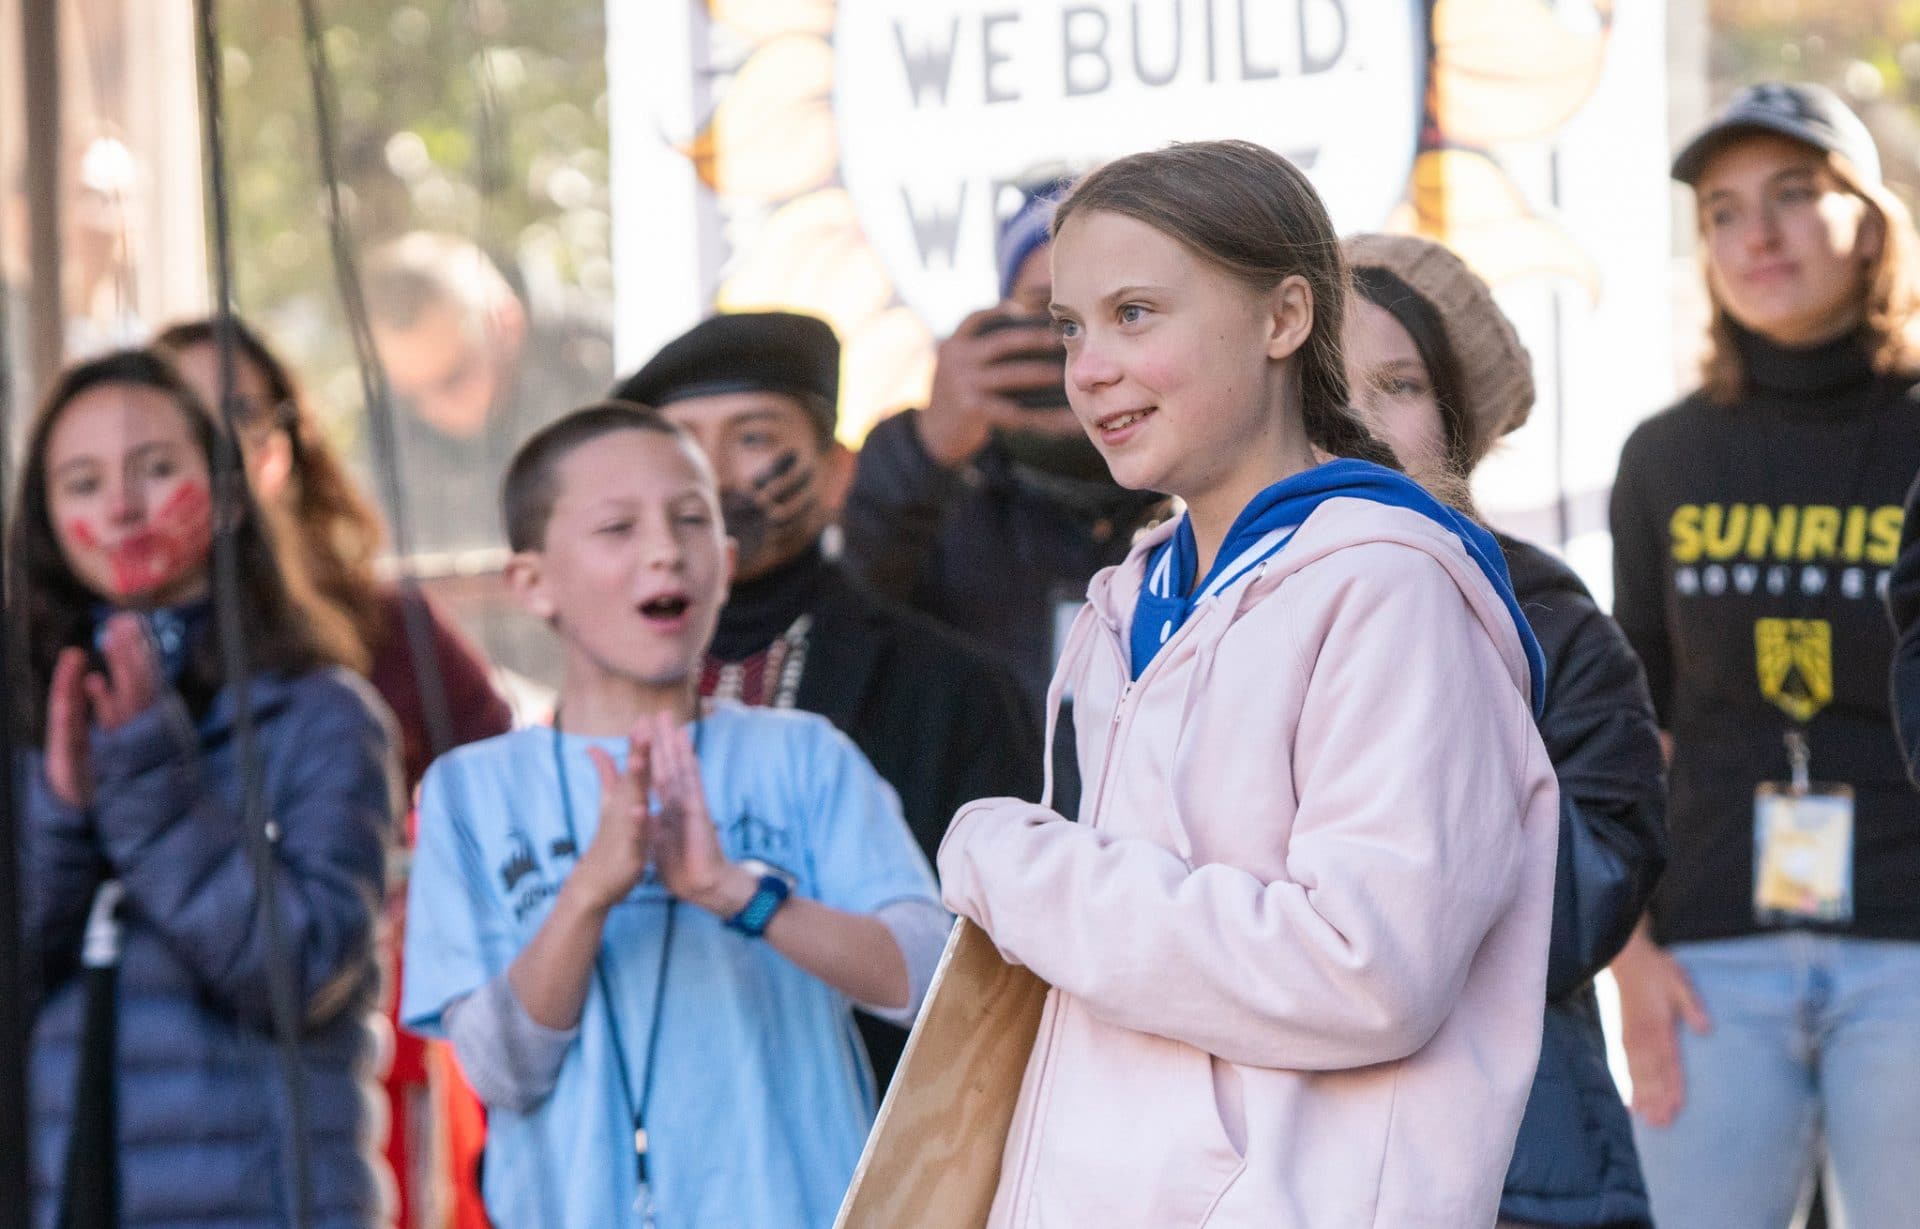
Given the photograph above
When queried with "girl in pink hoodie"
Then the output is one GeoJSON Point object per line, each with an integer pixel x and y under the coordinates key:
{"type": "Point", "coordinates": [1297, 941]}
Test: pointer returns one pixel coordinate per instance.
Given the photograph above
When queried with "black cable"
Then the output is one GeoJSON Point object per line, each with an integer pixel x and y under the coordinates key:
{"type": "Point", "coordinates": [15, 992]}
{"type": "Point", "coordinates": [231, 504]}
{"type": "Point", "coordinates": [489, 160]}
{"type": "Point", "coordinates": [415, 617]}
{"type": "Point", "coordinates": [489, 150]}
{"type": "Point", "coordinates": [7, 389]}
{"type": "Point", "coordinates": [14, 988]}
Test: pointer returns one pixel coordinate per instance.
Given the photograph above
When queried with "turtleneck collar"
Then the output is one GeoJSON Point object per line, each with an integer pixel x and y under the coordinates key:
{"type": "Point", "coordinates": [761, 609]}
{"type": "Point", "coordinates": [1831, 378]}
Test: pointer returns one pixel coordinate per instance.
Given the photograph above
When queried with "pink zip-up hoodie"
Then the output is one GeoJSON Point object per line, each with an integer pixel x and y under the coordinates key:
{"type": "Point", "coordinates": [1297, 944]}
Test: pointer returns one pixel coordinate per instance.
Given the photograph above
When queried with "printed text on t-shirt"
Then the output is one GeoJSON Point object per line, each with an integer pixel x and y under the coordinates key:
{"type": "Point", "coordinates": [1813, 550]}
{"type": "Point", "coordinates": [1813, 533]}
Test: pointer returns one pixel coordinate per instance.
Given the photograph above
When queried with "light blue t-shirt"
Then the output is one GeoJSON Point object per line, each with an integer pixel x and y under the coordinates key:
{"type": "Point", "coordinates": [761, 1095]}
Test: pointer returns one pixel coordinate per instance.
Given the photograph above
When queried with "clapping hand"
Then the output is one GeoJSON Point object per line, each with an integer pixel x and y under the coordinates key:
{"type": "Point", "coordinates": [616, 858]}
{"type": "Point", "coordinates": [69, 767]}
{"type": "Point", "coordinates": [686, 846]}
{"type": "Point", "coordinates": [112, 700]}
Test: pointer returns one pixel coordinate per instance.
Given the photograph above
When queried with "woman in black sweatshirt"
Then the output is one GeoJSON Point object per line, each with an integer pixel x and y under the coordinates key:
{"type": "Point", "coordinates": [1771, 1003]}
{"type": "Point", "coordinates": [1441, 376]}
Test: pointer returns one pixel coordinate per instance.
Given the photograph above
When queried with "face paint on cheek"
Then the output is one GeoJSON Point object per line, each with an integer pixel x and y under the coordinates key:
{"type": "Point", "coordinates": [175, 542]}
{"type": "Point", "coordinates": [785, 491]}
{"type": "Point", "coordinates": [83, 535]}
{"type": "Point", "coordinates": [783, 465]}
{"type": "Point", "coordinates": [746, 522]}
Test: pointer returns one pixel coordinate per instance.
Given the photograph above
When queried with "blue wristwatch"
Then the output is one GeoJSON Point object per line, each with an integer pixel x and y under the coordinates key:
{"type": "Point", "coordinates": [775, 887]}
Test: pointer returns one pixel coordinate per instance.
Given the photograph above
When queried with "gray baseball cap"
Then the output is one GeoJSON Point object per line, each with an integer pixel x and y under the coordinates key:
{"type": "Point", "coordinates": [1805, 112]}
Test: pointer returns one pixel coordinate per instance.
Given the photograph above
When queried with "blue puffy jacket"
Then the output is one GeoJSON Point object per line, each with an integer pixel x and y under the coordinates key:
{"type": "Point", "coordinates": [202, 1125]}
{"type": "Point", "coordinates": [1574, 1163]}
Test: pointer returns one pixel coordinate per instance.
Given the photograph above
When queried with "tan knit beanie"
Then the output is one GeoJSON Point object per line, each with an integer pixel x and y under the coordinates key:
{"type": "Point", "coordinates": [1494, 366]}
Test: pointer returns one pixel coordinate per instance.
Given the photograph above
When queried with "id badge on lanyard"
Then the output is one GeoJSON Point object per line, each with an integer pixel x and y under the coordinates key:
{"type": "Point", "coordinates": [1802, 846]}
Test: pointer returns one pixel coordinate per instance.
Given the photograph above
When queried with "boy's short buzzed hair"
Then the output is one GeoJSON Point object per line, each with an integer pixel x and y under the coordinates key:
{"type": "Point", "coordinates": [531, 487]}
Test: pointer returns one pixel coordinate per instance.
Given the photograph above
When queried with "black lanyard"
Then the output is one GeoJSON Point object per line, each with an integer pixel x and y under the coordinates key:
{"type": "Point", "coordinates": [636, 1104]}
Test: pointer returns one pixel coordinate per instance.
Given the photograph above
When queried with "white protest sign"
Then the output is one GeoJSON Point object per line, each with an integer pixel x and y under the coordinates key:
{"type": "Point", "coordinates": [940, 103]}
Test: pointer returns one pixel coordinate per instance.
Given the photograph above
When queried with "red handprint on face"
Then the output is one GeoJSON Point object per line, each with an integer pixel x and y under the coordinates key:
{"type": "Point", "coordinates": [174, 541]}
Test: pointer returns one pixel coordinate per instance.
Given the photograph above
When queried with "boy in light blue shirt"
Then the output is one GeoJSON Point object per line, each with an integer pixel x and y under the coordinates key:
{"type": "Point", "coordinates": [643, 928]}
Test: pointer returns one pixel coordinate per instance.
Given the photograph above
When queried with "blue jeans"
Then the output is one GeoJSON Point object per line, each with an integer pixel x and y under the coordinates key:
{"type": "Point", "coordinates": [1814, 1058]}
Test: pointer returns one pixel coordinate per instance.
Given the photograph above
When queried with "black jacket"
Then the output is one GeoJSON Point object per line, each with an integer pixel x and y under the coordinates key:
{"type": "Point", "coordinates": [990, 549]}
{"type": "Point", "coordinates": [1574, 1162]}
{"type": "Point", "coordinates": [1903, 603]}
{"type": "Point", "coordinates": [940, 722]}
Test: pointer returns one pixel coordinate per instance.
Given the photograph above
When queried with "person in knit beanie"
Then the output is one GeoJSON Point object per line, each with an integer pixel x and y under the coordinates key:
{"type": "Point", "coordinates": [1026, 282]}
{"type": "Point", "coordinates": [1440, 375]}
{"type": "Point", "coordinates": [1458, 376]}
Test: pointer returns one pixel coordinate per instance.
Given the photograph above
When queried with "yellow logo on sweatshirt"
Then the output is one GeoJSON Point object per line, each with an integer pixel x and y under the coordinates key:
{"type": "Point", "coordinates": [1763, 533]}
{"type": "Point", "coordinates": [1795, 660]}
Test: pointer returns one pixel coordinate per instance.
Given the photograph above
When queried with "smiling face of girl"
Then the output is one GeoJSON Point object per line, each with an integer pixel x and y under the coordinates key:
{"type": "Point", "coordinates": [129, 496]}
{"type": "Point", "coordinates": [1176, 369]}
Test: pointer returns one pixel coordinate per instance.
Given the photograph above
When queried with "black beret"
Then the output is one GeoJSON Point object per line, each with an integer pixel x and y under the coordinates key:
{"type": "Point", "coordinates": [761, 352]}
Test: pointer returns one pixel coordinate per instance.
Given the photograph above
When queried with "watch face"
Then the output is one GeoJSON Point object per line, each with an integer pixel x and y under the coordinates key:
{"type": "Point", "coordinates": [757, 869]}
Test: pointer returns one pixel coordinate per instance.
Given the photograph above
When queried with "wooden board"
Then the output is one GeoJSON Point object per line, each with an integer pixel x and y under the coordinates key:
{"type": "Point", "coordinates": [933, 1159]}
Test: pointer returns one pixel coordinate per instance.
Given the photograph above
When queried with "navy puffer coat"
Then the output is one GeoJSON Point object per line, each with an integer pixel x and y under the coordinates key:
{"type": "Point", "coordinates": [201, 1102]}
{"type": "Point", "coordinates": [1574, 1162]}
